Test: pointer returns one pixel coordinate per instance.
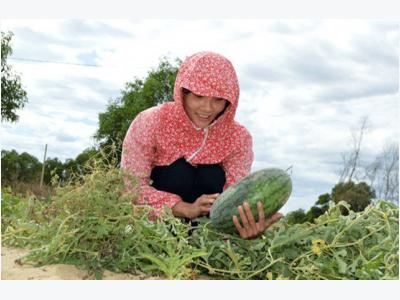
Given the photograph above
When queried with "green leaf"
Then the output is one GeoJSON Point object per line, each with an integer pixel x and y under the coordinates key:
{"type": "Point", "coordinates": [341, 252]}
{"type": "Point", "coordinates": [342, 266]}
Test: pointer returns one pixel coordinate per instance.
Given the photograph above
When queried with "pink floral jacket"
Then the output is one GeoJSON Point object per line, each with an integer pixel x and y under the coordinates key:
{"type": "Point", "coordinates": [160, 135]}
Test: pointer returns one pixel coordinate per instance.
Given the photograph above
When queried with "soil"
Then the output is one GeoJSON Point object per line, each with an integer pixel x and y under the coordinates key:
{"type": "Point", "coordinates": [11, 269]}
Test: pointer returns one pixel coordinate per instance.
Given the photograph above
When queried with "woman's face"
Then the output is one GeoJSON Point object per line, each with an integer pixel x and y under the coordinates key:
{"type": "Point", "coordinates": [203, 110]}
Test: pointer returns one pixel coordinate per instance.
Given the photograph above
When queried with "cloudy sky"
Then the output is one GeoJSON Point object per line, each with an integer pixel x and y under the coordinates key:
{"type": "Point", "coordinates": [305, 84]}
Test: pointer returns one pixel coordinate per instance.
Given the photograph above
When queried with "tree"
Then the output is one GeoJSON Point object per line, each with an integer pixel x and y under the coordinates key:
{"type": "Point", "coordinates": [296, 217]}
{"type": "Point", "coordinates": [30, 168]}
{"type": "Point", "coordinates": [383, 173]}
{"type": "Point", "coordinates": [73, 169]}
{"type": "Point", "coordinates": [351, 161]}
{"type": "Point", "coordinates": [53, 167]}
{"type": "Point", "coordinates": [13, 96]}
{"type": "Point", "coordinates": [324, 199]}
{"type": "Point", "coordinates": [137, 96]}
{"type": "Point", "coordinates": [19, 167]}
{"type": "Point", "coordinates": [313, 213]}
{"type": "Point", "coordinates": [9, 166]}
{"type": "Point", "coordinates": [358, 195]}
{"type": "Point", "coordinates": [70, 166]}
{"type": "Point", "coordinates": [86, 155]}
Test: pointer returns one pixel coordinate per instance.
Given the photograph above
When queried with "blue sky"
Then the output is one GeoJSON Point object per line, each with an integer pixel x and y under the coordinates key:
{"type": "Point", "coordinates": [305, 84]}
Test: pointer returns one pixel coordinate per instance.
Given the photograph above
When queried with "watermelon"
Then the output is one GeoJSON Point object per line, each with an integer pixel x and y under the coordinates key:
{"type": "Point", "coordinates": [271, 186]}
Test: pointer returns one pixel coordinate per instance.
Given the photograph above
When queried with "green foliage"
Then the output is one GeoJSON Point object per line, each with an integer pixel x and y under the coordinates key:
{"type": "Point", "coordinates": [92, 225]}
{"type": "Point", "coordinates": [53, 166]}
{"type": "Point", "coordinates": [137, 96]}
{"type": "Point", "coordinates": [86, 155]}
{"type": "Point", "coordinates": [13, 209]}
{"type": "Point", "coordinates": [25, 168]}
{"type": "Point", "coordinates": [300, 216]}
{"type": "Point", "coordinates": [313, 213]}
{"type": "Point", "coordinates": [324, 199]}
{"type": "Point", "coordinates": [358, 246]}
{"type": "Point", "coordinates": [296, 217]}
{"type": "Point", "coordinates": [13, 96]}
{"type": "Point", "coordinates": [77, 167]}
{"type": "Point", "coordinates": [358, 195]}
{"type": "Point", "coordinates": [19, 167]}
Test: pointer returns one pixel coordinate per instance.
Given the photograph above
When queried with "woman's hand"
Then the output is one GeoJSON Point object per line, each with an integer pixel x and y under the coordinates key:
{"type": "Point", "coordinates": [250, 228]}
{"type": "Point", "coordinates": [200, 207]}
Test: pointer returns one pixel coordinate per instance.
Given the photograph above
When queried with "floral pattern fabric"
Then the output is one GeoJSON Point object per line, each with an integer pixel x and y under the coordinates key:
{"type": "Point", "coordinates": [160, 135]}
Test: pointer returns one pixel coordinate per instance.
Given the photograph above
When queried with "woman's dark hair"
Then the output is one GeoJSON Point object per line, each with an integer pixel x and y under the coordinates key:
{"type": "Point", "coordinates": [185, 91]}
{"type": "Point", "coordinates": [226, 106]}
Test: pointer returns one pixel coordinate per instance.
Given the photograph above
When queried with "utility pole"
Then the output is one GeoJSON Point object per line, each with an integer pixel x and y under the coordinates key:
{"type": "Point", "coordinates": [44, 162]}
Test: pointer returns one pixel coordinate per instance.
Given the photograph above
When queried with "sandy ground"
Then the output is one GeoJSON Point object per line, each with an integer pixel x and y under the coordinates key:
{"type": "Point", "coordinates": [11, 269]}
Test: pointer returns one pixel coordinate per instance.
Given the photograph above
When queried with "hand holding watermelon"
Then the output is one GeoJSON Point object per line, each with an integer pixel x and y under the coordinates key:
{"type": "Point", "coordinates": [250, 228]}
{"type": "Point", "coordinates": [272, 187]}
{"type": "Point", "coordinates": [200, 207]}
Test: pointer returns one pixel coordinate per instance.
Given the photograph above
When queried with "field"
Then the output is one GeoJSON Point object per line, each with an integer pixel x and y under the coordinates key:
{"type": "Point", "coordinates": [90, 224]}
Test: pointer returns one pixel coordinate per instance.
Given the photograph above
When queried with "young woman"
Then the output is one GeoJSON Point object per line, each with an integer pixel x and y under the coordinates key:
{"type": "Point", "coordinates": [186, 152]}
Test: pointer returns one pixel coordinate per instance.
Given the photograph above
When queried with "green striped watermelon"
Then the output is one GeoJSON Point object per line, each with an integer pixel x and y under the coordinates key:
{"type": "Point", "coordinates": [271, 186]}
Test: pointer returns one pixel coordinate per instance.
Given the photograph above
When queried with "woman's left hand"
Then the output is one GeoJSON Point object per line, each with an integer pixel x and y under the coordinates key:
{"type": "Point", "coordinates": [251, 229]}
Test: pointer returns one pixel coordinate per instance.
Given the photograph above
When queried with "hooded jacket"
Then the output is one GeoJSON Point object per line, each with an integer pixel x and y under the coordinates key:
{"type": "Point", "coordinates": [160, 135]}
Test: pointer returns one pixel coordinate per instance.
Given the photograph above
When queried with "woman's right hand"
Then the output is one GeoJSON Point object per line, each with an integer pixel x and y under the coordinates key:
{"type": "Point", "coordinates": [200, 207]}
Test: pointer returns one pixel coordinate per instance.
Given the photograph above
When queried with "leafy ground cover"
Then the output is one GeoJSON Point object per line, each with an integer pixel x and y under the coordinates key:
{"type": "Point", "coordinates": [90, 223]}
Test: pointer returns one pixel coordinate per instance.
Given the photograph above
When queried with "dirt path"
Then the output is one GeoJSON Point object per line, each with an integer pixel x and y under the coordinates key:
{"type": "Point", "coordinates": [10, 269]}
